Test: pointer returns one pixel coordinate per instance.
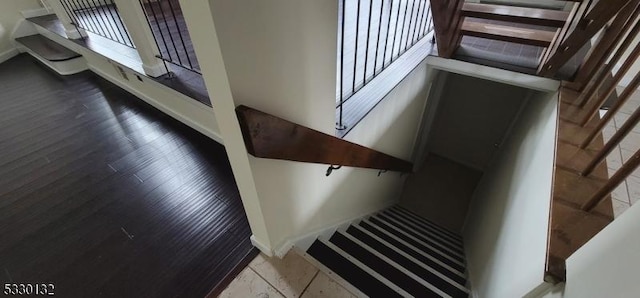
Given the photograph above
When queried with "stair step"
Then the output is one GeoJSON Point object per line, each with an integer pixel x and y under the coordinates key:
{"type": "Point", "coordinates": [451, 261]}
{"type": "Point", "coordinates": [47, 48]}
{"type": "Point", "coordinates": [390, 272]}
{"type": "Point", "coordinates": [427, 228]}
{"type": "Point", "coordinates": [514, 14]}
{"type": "Point", "coordinates": [442, 279]}
{"type": "Point", "coordinates": [426, 223]}
{"type": "Point", "coordinates": [513, 34]}
{"type": "Point", "coordinates": [349, 271]}
{"type": "Point", "coordinates": [436, 237]}
{"type": "Point", "coordinates": [433, 261]}
{"type": "Point", "coordinates": [456, 253]}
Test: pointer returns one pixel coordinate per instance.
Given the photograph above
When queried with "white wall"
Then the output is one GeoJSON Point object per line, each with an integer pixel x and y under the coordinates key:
{"type": "Point", "coordinates": [506, 231]}
{"type": "Point", "coordinates": [281, 59]}
{"type": "Point", "coordinates": [9, 17]}
{"type": "Point", "coordinates": [609, 264]}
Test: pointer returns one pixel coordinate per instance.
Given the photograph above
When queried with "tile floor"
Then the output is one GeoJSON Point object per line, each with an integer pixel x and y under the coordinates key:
{"type": "Point", "coordinates": [629, 191]}
{"type": "Point", "coordinates": [291, 276]}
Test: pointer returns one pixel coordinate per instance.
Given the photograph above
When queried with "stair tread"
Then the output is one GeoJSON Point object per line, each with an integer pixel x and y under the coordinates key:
{"type": "Point", "coordinates": [524, 15]}
{"type": "Point", "coordinates": [427, 233]}
{"type": "Point", "coordinates": [443, 256]}
{"type": "Point", "coordinates": [430, 260]}
{"type": "Point", "coordinates": [513, 34]}
{"type": "Point", "coordinates": [47, 48]}
{"type": "Point", "coordinates": [455, 253]}
{"type": "Point", "coordinates": [390, 272]}
{"type": "Point", "coordinates": [393, 253]}
{"type": "Point", "coordinates": [426, 222]}
{"type": "Point", "coordinates": [355, 275]}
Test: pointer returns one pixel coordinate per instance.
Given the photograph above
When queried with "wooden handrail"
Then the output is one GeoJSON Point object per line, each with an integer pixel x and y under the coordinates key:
{"type": "Point", "coordinates": [267, 136]}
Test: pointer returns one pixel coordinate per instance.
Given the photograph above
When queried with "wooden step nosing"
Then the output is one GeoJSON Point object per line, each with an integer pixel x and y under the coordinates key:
{"type": "Point", "coordinates": [364, 267]}
{"type": "Point", "coordinates": [408, 273]}
{"type": "Point", "coordinates": [438, 251]}
{"type": "Point", "coordinates": [402, 226]}
{"type": "Point", "coordinates": [428, 232]}
{"type": "Point", "coordinates": [523, 15]}
{"type": "Point", "coordinates": [408, 256]}
{"type": "Point", "coordinates": [544, 40]}
{"type": "Point", "coordinates": [428, 223]}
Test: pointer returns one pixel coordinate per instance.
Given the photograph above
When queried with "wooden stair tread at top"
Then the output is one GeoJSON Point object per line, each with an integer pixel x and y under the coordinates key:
{"type": "Point", "coordinates": [47, 48]}
{"type": "Point", "coordinates": [508, 33]}
{"type": "Point", "coordinates": [524, 15]}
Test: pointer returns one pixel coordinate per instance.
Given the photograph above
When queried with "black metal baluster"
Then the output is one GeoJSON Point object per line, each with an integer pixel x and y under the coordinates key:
{"type": "Point", "coordinates": [395, 32]}
{"type": "Point", "coordinates": [366, 54]}
{"type": "Point", "coordinates": [107, 8]}
{"type": "Point", "coordinates": [404, 22]}
{"type": "Point", "coordinates": [340, 125]}
{"type": "Point", "coordinates": [70, 12]}
{"type": "Point", "coordinates": [413, 6]}
{"type": "Point", "coordinates": [175, 20]}
{"type": "Point", "coordinates": [173, 42]}
{"type": "Point", "coordinates": [355, 60]}
{"type": "Point", "coordinates": [375, 62]}
{"type": "Point", "coordinates": [414, 38]}
{"type": "Point", "coordinates": [416, 33]}
{"type": "Point", "coordinates": [88, 11]}
{"type": "Point", "coordinates": [386, 40]}
{"type": "Point", "coordinates": [124, 28]}
{"type": "Point", "coordinates": [102, 17]}
{"type": "Point", "coordinates": [77, 8]}
{"type": "Point", "coordinates": [164, 40]}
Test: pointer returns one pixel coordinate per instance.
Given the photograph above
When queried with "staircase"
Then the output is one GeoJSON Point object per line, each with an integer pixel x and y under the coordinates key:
{"type": "Point", "coordinates": [393, 253]}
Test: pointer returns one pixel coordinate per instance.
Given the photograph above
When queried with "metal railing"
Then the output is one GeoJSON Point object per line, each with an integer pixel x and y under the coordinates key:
{"type": "Point", "coordinates": [372, 35]}
{"type": "Point", "coordinates": [99, 17]}
{"type": "Point", "coordinates": [170, 33]}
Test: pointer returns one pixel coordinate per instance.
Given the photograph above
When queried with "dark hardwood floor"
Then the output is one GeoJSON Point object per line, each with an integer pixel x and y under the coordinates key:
{"type": "Point", "coordinates": [102, 195]}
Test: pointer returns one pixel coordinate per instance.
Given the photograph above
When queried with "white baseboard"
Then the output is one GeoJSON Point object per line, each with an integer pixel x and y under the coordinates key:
{"type": "Point", "coordinates": [304, 242]}
{"type": "Point", "coordinates": [261, 246]}
{"type": "Point", "coordinates": [8, 54]}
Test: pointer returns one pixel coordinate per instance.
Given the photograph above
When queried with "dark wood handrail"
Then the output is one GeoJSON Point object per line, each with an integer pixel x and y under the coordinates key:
{"type": "Point", "coordinates": [267, 136]}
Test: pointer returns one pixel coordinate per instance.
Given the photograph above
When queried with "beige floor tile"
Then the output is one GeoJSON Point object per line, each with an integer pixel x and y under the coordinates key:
{"type": "Point", "coordinates": [324, 286]}
{"type": "Point", "coordinates": [631, 142]}
{"type": "Point", "coordinates": [249, 284]}
{"type": "Point", "coordinates": [633, 184]}
{"type": "Point", "coordinates": [290, 275]}
{"type": "Point", "coordinates": [619, 207]}
{"type": "Point", "coordinates": [614, 161]}
{"type": "Point", "coordinates": [621, 193]}
{"type": "Point", "coordinates": [626, 154]}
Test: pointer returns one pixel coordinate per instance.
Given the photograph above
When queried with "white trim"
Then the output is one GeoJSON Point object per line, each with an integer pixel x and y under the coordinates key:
{"type": "Point", "coordinates": [494, 74]}
{"type": "Point", "coordinates": [32, 13]}
{"type": "Point", "coordinates": [186, 120]}
{"type": "Point", "coordinates": [259, 245]}
{"type": "Point", "coordinates": [393, 221]}
{"type": "Point", "coordinates": [427, 232]}
{"type": "Point", "coordinates": [304, 242]}
{"type": "Point", "coordinates": [416, 240]}
{"type": "Point", "coordinates": [8, 54]}
{"type": "Point", "coordinates": [406, 255]}
{"type": "Point", "coordinates": [337, 278]}
{"type": "Point", "coordinates": [366, 268]}
{"type": "Point", "coordinates": [154, 70]}
{"type": "Point", "coordinates": [402, 269]}
{"type": "Point", "coordinates": [65, 68]}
